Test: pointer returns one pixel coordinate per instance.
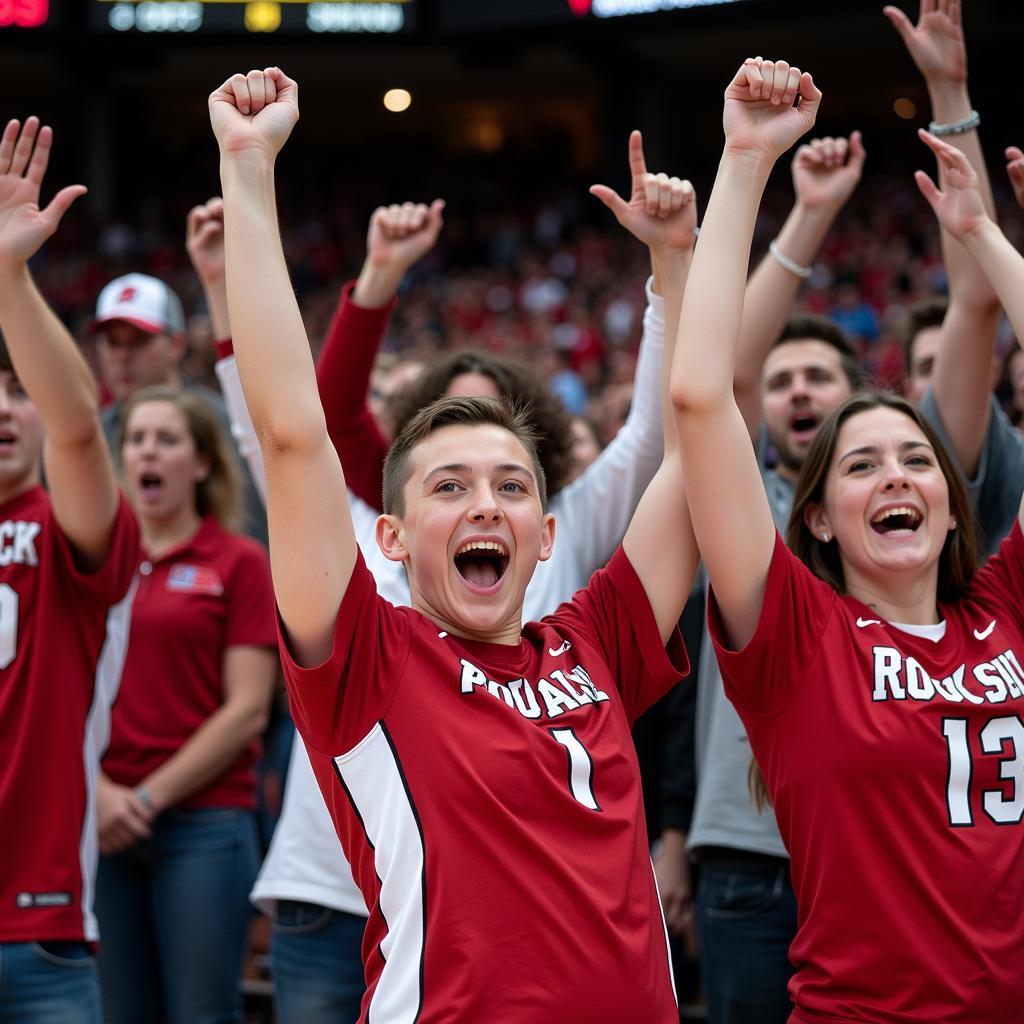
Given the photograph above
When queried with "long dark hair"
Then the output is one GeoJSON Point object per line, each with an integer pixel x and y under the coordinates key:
{"type": "Point", "coordinates": [517, 383]}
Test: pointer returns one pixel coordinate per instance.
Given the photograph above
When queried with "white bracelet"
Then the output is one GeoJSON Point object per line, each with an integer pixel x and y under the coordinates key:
{"type": "Point", "coordinates": [966, 124]}
{"type": "Point", "coordinates": [786, 263]}
{"type": "Point", "coordinates": [145, 799]}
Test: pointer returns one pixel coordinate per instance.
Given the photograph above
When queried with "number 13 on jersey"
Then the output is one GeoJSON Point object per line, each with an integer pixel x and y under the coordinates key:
{"type": "Point", "coordinates": [1002, 737]}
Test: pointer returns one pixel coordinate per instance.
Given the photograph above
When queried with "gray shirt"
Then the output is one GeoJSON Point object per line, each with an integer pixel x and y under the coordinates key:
{"type": "Point", "coordinates": [724, 814]}
{"type": "Point", "coordinates": [255, 518]}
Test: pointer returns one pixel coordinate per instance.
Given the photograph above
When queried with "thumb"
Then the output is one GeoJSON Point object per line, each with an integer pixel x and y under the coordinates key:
{"type": "Point", "coordinates": [810, 96]}
{"type": "Point", "coordinates": [61, 203]}
{"type": "Point", "coordinates": [900, 22]}
{"type": "Point", "coordinates": [612, 200]}
{"type": "Point", "coordinates": [434, 215]}
{"type": "Point", "coordinates": [928, 189]}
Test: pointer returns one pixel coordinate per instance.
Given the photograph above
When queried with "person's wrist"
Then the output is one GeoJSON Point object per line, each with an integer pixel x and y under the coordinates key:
{"type": "Point", "coordinates": [982, 234]}
{"type": "Point", "coordinates": [950, 101]}
{"type": "Point", "coordinates": [145, 798]}
{"type": "Point", "coordinates": [376, 285]}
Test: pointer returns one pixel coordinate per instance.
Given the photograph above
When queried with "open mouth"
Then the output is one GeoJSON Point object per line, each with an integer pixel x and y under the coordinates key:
{"type": "Point", "coordinates": [804, 423]}
{"type": "Point", "coordinates": [482, 563]}
{"type": "Point", "coordinates": [902, 520]}
{"type": "Point", "coordinates": [7, 440]}
{"type": "Point", "coordinates": [150, 483]}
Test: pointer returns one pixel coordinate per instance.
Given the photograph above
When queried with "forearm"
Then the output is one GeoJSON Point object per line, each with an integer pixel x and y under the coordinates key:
{"type": "Point", "coordinates": [215, 291]}
{"type": "Point", "coordinates": [242, 429]}
{"type": "Point", "coordinates": [1003, 266]}
{"type": "Point", "coordinates": [274, 360]}
{"type": "Point", "coordinates": [770, 294]}
{"type": "Point", "coordinates": [47, 361]}
{"type": "Point", "coordinates": [377, 286]}
{"type": "Point", "coordinates": [206, 755]}
{"type": "Point", "coordinates": [671, 272]}
{"type": "Point", "coordinates": [712, 307]}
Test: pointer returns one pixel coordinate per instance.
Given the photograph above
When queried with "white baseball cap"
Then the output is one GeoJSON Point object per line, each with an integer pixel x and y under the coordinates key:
{"type": "Point", "coordinates": [143, 301]}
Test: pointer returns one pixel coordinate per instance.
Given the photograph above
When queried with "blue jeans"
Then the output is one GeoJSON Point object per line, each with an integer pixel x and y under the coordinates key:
{"type": "Point", "coordinates": [48, 983]}
{"type": "Point", "coordinates": [316, 954]}
{"type": "Point", "coordinates": [174, 918]}
{"type": "Point", "coordinates": [746, 919]}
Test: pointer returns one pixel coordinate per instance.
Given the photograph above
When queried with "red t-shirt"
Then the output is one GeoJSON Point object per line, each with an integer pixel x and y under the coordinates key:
{"type": "Point", "coordinates": [488, 799]}
{"type": "Point", "coordinates": [896, 767]}
{"type": "Point", "coordinates": [62, 643]}
{"type": "Point", "coordinates": [212, 593]}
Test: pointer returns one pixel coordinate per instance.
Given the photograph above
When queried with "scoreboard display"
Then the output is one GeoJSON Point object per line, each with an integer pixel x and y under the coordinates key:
{"type": "Point", "coordinates": [472, 15]}
{"type": "Point", "coordinates": [259, 16]}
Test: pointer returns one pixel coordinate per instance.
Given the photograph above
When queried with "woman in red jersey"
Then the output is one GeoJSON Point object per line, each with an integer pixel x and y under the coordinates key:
{"type": "Point", "coordinates": [178, 791]}
{"type": "Point", "coordinates": [877, 673]}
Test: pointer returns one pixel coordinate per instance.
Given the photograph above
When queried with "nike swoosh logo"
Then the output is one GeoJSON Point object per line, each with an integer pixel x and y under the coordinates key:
{"type": "Point", "coordinates": [561, 650]}
{"type": "Point", "coordinates": [868, 622]}
{"type": "Point", "coordinates": [984, 634]}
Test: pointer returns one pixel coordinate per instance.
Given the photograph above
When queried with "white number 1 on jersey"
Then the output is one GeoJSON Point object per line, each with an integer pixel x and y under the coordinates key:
{"type": "Point", "coordinates": [581, 768]}
{"type": "Point", "coordinates": [8, 624]}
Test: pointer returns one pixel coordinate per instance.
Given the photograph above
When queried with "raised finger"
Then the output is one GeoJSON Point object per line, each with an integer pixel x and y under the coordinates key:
{"type": "Point", "coordinates": [637, 161]}
{"type": "Point", "coordinates": [257, 90]}
{"type": "Point", "coordinates": [23, 149]}
{"type": "Point", "coordinates": [928, 7]}
{"type": "Point", "coordinates": [40, 155]}
{"type": "Point", "coordinates": [7, 141]}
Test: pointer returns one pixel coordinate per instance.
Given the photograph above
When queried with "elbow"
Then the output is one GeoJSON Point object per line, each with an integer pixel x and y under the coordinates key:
{"type": "Point", "coordinates": [689, 399]}
{"type": "Point", "coordinates": [251, 721]}
{"type": "Point", "coordinates": [289, 435]}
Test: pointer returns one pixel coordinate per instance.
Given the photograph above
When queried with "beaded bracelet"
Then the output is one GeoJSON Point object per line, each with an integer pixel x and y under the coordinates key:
{"type": "Point", "coordinates": [791, 265]}
{"type": "Point", "coordinates": [967, 124]}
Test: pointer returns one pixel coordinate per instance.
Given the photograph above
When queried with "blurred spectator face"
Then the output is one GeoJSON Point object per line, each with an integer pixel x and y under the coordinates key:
{"type": "Point", "coordinates": [160, 463]}
{"type": "Point", "coordinates": [803, 381]}
{"type": "Point", "coordinates": [923, 350]}
{"type": "Point", "coordinates": [472, 385]}
{"type": "Point", "coordinates": [21, 437]}
{"type": "Point", "coordinates": [131, 358]}
{"type": "Point", "coordinates": [585, 446]}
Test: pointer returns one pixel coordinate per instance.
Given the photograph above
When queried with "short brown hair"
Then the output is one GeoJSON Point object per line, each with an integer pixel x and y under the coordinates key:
{"type": "Point", "coordinates": [920, 316]}
{"type": "Point", "coordinates": [959, 559]}
{"type": "Point", "coordinates": [811, 327]}
{"type": "Point", "coordinates": [452, 412]}
{"type": "Point", "coordinates": [220, 494]}
{"type": "Point", "coordinates": [517, 383]}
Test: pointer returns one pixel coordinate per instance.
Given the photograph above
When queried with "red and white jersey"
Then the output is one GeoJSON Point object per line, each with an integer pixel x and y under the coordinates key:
{"type": "Point", "coordinates": [194, 602]}
{"type": "Point", "coordinates": [63, 636]}
{"type": "Point", "coordinates": [488, 799]}
{"type": "Point", "coordinates": [896, 767]}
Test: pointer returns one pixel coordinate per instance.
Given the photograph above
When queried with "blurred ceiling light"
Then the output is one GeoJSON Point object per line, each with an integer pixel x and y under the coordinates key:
{"type": "Point", "coordinates": [397, 100]}
{"type": "Point", "coordinates": [905, 108]}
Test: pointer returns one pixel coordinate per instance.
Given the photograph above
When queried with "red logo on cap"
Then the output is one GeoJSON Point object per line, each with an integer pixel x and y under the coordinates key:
{"type": "Point", "coordinates": [579, 7]}
{"type": "Point", "coordinates": [127, 294]}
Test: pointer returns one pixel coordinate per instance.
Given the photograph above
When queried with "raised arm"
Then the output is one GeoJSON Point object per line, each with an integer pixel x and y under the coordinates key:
{"type": "Point", "coordinates": [962, 376]}
{"type": "Point", "coordinates": [659, 541]}
{"type": "Point", "coordinates": [960, 208]}
{"type": "Point", "coordinates": [825, 173]}
{"type": "Point", "coordinates": [47, 362]}
{"type": "Point", "coordinates": [730, 511]}
{"type": "Point", "coordinates": [1015, 171]}
{"type": "Point", "coordinates": [312, 543]}
{"type": "Point", "coordinates": [398, 236]}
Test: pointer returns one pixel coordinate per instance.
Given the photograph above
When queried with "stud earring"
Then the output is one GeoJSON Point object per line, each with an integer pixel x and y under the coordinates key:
{"type": "Point", "coordinates": [826, 537]}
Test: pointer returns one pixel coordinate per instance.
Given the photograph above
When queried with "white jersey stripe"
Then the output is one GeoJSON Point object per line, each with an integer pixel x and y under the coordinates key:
{"type": "Point", "coordinates": [97, 734]}
{"type": "Point", "coordinates": [372, 775]}
{"type": "Point", "coordinates": [664, 929]}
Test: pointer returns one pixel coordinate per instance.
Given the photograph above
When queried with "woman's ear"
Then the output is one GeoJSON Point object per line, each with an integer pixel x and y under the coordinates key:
{"type": "Point", "coordinates": [817, 521]}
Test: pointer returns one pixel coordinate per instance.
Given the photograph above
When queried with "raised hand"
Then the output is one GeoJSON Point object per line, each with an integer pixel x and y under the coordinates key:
{"type": "Point", "coordinates": [760, 117]}
{"type": "Point", "coordinates": [24, 227]}
{"type": "Point", "coordinates": [401, 234]}
{"type": "Point", "coordinates": [936, 42]}
{"type": "Point", "coordinates": [204, 240]}
{"type": "Point", "coordinates": [661, 211]}
{"type": "Point", "coordinates": [254, 112]}
{"type": "Point", "coordinates": [1015, 171]}
{"type": "Point", "coordinates": [826, 171]}
{"type": "Point", "coordinates": [958, 205]}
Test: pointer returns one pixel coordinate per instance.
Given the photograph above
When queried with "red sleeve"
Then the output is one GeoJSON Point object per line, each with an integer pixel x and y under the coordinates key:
{"type": "Point", "coordinates": [614, 613]}
{"type": "Point", "coordinates": [110, 582]}
{"type": "Point", "coordinates": [336, 703]}
{"type": "Point", "coordinates": [343, 376]}
{"type": "Point", "coordinates": [761, 677]}
{"type": "Point", "coordinates": [999, 584]}
{"type": "Point", "coordinates": [250, 598]}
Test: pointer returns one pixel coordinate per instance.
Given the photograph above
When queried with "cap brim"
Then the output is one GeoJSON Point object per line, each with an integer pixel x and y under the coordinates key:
{"type": "Point", "coordinates": [143, 325]}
